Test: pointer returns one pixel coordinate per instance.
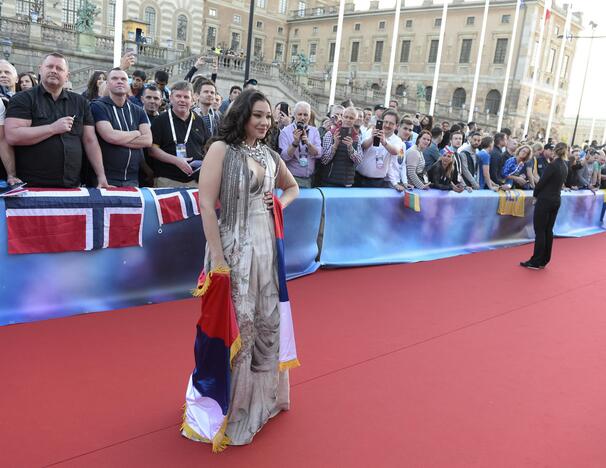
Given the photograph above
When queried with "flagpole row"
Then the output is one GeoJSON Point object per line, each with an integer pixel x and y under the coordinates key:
{"type": "Point", "coordinates": [436, 74]}
{"type": "Point", "coordinates": [392, 52]}
{"type": "Point", "coordinates": [335, 64]}
{"type": "Point", "coordinates": [476, 78]}
{"type": "Point", "coordinates": [516, 19]}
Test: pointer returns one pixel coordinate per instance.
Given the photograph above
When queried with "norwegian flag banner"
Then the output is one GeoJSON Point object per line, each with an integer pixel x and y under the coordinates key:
{"type": "Point", "coordinates": [175, 204]}
{"type": "Point", "coordinates": [62, 220]}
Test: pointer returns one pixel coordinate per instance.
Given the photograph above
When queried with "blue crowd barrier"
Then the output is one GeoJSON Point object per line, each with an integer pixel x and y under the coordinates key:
{"type": "Point", "coordinates": [361, 227]}
{"type": "Point", "coordinates": [372, 226]}
{"type": "Point", "coordinates": [42, 286]}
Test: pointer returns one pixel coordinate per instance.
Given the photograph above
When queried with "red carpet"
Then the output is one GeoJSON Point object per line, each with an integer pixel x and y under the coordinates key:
{"type": "Point", "coordinates": [464, 362]}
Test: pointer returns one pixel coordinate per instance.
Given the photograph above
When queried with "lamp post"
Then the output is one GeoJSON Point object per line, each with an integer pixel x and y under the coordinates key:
{"type": "Point", "coordinates": [576, 122]}
{"type": "Point", "coordinates": [7, 47]}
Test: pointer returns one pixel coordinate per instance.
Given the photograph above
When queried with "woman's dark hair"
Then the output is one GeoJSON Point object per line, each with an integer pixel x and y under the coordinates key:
{"type": "Point", "coordinates": [421, 133]}
{"type": "Point", "coordinates": [233, 125]}
{"type": "Point", "coordinates": [92, 90]}
{"type": "Point", "coordinates": [561, 151]}
{"type": "Point", "coordinates": [31, 76]}
{"type": "Point", "coordinates": [429, 125]}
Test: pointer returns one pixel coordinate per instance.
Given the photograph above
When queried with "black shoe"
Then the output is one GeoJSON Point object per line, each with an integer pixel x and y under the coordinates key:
{"type": "Point", "coordinates": [531, 266]}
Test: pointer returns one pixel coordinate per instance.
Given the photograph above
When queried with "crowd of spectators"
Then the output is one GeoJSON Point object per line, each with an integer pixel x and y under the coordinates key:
{"type": "Point", "coordinates": [134, 130]}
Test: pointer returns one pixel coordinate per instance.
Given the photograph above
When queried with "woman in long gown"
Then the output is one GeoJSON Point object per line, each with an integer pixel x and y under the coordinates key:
{"type": "Point", "coordinates": [241, 172]}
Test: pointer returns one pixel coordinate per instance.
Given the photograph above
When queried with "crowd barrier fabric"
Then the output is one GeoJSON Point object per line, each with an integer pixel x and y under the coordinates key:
{"type": "Point", "coordinates": [372, 226]}
{"type": "Point", "coordinates": [41, 286]}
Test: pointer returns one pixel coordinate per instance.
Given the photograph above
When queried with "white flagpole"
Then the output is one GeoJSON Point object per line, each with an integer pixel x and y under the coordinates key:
{"type": "Point", "coordinates": [604, 136]}
{"type": "Point", "coordinates": [436, 73]}
{"type": "Point", "coordinates": [536, 65]}
{"type": "Point", "coordinates": [476, 78]}
{"type": "Point", "coordinates": [509, 62]}
{"type": "Point", "coordinates": [118, 16]}
{"type": "Point", "coordinates": [556, 82]}
{"type": "Point", "coordinates": [392, 52]}
{"type": "Point", "coordinates": [592, 129]}
{"type": "Point", "coordinates": [335, 65]}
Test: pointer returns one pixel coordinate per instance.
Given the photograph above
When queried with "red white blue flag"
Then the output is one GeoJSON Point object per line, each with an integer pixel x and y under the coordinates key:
{"type": "Point", "coordinates": [175, 204]}
{"type": "Point", "coordinates": [61, 220]}
{"type": "Point", "coordinates": [217, 342]}
{"type": "Point", "coordinates": [288, 348]}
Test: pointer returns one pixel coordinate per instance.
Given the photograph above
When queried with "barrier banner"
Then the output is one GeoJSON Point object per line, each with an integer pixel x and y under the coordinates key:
{"type": "Point", "coordinates": [372, 226]}
{"type": "Point", "coordinates": [41, 286]}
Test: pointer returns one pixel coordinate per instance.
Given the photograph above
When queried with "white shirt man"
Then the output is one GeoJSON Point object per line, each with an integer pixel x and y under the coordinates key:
{"type": "Point", "coordinates": [376, 160]}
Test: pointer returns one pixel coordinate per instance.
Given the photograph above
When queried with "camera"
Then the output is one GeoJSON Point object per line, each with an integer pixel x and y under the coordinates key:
{"type": "Point", "coordinates": [376, 140]}
{"type": "Point", "coordinates": [301, 126]}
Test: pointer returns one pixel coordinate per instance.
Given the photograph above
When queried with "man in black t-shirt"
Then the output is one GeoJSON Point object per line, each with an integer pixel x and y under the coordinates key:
{"type": "Point", "coordinates": [179, 137]}
{"type": "Point", "coordinates": [48, 127]}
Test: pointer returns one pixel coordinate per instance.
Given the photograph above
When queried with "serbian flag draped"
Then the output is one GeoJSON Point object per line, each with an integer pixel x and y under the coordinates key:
{"type": "Point", "coordinates": [217, 343]}
{"type": "Point", "coordinates": [288, 348]}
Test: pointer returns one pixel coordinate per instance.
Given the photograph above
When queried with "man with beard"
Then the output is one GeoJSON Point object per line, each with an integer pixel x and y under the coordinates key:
{"type": "Point", "coordinates": [49, 128]}
{"type": "Point", "coordinates": [469, 161]}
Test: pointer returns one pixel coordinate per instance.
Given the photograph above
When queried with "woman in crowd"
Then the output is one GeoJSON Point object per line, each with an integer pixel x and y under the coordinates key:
{"type": "Point", "coordinates": [547, 194]}
{"type": "Point", "coordinates": [532, 170]}
{"type": "Point", "coordinates": [514, 170]}
{"type": "Point", "coordinates": [26, 81]}
{"type": "Point", "coordinates": [95, 86]}
{"type": "Point", "coordinates": [415, 162]}
{"type": "Point", "coordinates": [443, 175]}
{"type": "Point", "coordinates": [242, 172]}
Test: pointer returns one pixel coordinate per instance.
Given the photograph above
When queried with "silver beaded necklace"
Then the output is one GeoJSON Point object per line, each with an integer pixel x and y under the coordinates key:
{"type": "Point", "coordinates": [256, 153]}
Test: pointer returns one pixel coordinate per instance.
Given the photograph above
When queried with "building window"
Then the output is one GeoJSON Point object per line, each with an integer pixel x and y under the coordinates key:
{"type": "Point", "coordinates": [381, 25]}
{"type": "Point", "coordinates": [258, 48]}
{"type": "Point", "coordinates": [565, 66]}
{"type": "Point", "coordinates": [259, 24]}
{"type": "Point", "coordinates": [261, 3]}
{"type": "Point", "coordinates": [313, 48]}
{"type": "Point", "coordinates": [294, 50]}
{"type": "Point", "coordinates": [331, 52]}
{"type": "Point", "coordinates": [493, 102]}
{"type": "Point", "coordinates": [357, 27]}
{"type": "Point", "coordinates": [551, 60]}
{"type": "Point", "coordinates": [471, 20]}
{"type": "Point", "coordinates": [314, 30]}
{"type": "Point", "coordinates": [501, 50]}
{"type": "Point", "coordinates": [111, 16]}
{"type": "Point", "coordinates": [437, 22]}
{"type": "Point", "coordinates": [282, 6]}
{"type": "Point", "coordinates": [379, 51]}
{"type": "Point", "coordinates": [334, 28]}
{"type": "Point", "coordinates": [182, 28]}
{"type": "Point", "coordinates": [301, 8]}
{"type": "Point", "coordinates": [211, 36]}
{"type": "Point", "coordinates": [28, 8]}
{"type": "Point", "coordinates": [149, 15]}
{"type": "Point", "coordinates": [237, 19]}
{"type": "Point", "coordinates": [235, 41]}
{"type": "Point", "coordinates": [70, 11]}
{"type": "Point", "coordinates": [401, 90]}
{"type": "Point", "coordinates": [296, 32]}
{"type": "Point", "coordinates": [405, 52]}
{"type": "Point", "coordinates": [433, 51]}
{"type": "Point", "coordinates": [505, 19]}
{"type": "Point", "coordinates": [458, 98]}
{"type": "Point", "coordinates": [428, 92]}
{"type": "Point", "coordinates": [465, 51]}
{"type": "Point", "coordinates": [279, 52]}
{"type": "Point", "coordinates": [280, 30]}
{"type": "Point", "coordinates": [212, 12]}
{"type": "Point", "coordinates": [556, 31]}
{"type": "Point", "coordinates": [409, 24]}
{"type": "Point", "coordinates": [355, 49]}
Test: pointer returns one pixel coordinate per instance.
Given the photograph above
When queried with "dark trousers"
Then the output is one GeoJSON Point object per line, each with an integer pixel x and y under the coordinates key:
{"type": "Point", "coordinates": [369, 182]}
{"type": "Point", "coordinates": [545, 213]}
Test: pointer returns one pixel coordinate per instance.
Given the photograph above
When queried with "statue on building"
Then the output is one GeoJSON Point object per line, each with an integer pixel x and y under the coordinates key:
{"type": "Point", "coordinates": [85, 17]}
{"type": "Point", "coordinates": [420, 91]}
{"type": "Point", "coordinates": [300, 64]}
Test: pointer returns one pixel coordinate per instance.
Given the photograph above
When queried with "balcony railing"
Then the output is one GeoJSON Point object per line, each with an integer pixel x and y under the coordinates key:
{"type": "Point", "coordinates": [319, 11]}
{"type": "Point", "coordinates": [14, 28]}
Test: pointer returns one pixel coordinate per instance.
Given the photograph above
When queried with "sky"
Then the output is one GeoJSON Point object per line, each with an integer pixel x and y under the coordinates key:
{"type": "Point", "coordinates": [594, 100]}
